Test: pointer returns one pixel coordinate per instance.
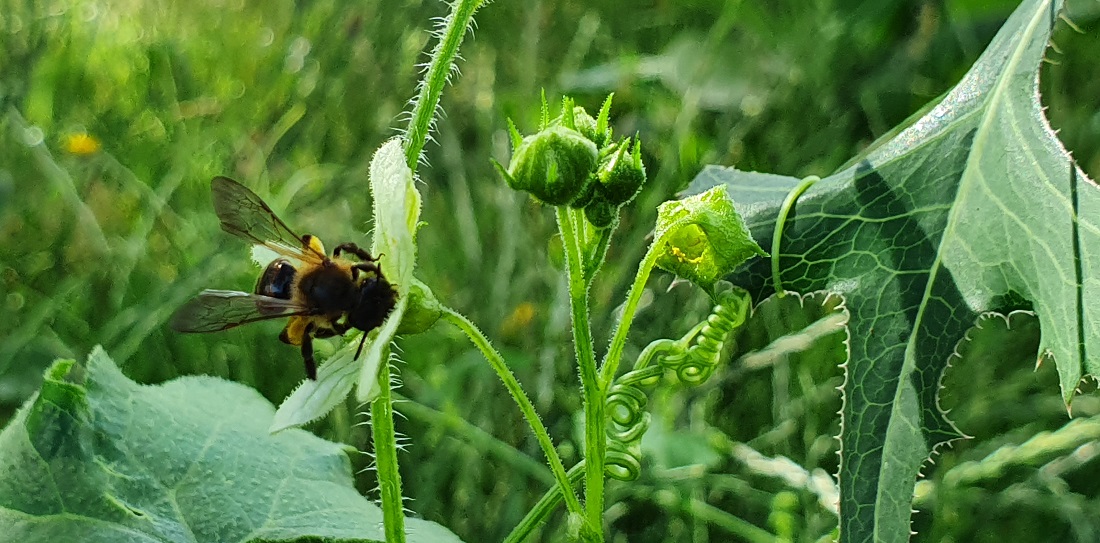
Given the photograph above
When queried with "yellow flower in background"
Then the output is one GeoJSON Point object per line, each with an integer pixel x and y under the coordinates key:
{"type": "Point", "coordinates": [519, 320]}
{"type": "Point", "coordinates": [82, 144]}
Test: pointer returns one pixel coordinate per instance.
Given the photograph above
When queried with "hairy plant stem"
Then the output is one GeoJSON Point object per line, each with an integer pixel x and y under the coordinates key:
{"type": "Point", "coordinates": [477, 439]}
{"type": "Point", "coordinates": [595, 256]}
{"type": "Point", "coordinates": [595, 395]}
{"type": "Point", "coordinates": [385, 458]}
{"type": "Point", "coordinates": [618, 340]}
{"type": "Point", "coordinates": [436, 76]}
{"type": "Point", "coordinates": [525, 406]}
{"type": "Point", "coordinates": [420, 124]}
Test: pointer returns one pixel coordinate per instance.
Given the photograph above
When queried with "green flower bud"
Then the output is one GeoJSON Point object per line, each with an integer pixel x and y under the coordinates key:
{"type": "Point", "coordinates": [621, 173]}
{"type": "Point", "coordinates": [422, 311]}
{"type": "Point", "coordinates": [586, 197]}
{"type": "Point", "coordinates": [600, 212]}
{"type": "Point", "coordinates": [555, 165]}
{"type": "Point", "coordinates": [596, 130]}
{"type": "Point", "coordinates": [703, 238]}
{"type": "Point", "coordinates": [585, 124]}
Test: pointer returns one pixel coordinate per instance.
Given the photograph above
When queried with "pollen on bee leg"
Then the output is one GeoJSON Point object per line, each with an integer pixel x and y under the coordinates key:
{"type": "Point", "coordinates": [294, 332]}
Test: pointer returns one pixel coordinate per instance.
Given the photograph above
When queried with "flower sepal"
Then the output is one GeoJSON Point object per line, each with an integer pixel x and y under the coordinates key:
{"type": "Point", "coordinates": [423, 310]}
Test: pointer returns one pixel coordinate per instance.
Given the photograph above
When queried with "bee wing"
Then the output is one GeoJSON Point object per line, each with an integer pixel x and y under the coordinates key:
{"type": "Point", "coordinates": [245, 215]}
{"type": "Point", "coordinates": [216, 310]}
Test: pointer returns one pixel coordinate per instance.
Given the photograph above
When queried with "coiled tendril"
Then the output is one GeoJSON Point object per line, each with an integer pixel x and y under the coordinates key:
{"type": "Point", "coordinates": [696, 364]}
{"type": "Point", "coordinates": [693, 357]}
{"type": "Point", "coordinates": [628, 420]}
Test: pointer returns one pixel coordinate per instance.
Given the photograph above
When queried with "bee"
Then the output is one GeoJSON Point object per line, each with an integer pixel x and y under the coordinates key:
{"type": "Point", "coordinates": [323, 296]}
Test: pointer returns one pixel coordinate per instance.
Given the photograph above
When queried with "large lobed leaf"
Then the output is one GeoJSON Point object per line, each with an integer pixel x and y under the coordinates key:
{"type": "Point", "coordinates": [97, 457]}
{"type": "Point", "coordinates": [975, 207]}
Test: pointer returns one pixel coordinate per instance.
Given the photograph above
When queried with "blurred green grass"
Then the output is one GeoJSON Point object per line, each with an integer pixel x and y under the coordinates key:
{"type": "Point", "coordinates": [292, 99]}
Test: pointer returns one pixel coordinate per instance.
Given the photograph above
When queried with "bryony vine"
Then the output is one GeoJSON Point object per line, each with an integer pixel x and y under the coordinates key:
{"type": "Point", "coordinates": [574, 164]}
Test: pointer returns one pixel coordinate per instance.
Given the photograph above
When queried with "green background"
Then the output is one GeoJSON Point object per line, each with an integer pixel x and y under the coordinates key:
{"type": "Point", "coordinates": [292, 101]}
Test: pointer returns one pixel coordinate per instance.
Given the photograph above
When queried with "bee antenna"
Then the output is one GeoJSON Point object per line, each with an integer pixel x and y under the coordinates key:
{"type": "Point", "coordinates": [360, 349]}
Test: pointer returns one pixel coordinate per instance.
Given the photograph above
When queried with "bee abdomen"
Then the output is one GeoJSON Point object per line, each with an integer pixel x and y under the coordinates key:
{"type": "Point", "coordinates": [277, 279]}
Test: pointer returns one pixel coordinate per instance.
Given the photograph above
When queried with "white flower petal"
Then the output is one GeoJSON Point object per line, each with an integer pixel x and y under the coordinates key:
{"type": "Point", "coordinates": [396, 215]}
{"type": "Point", "coordinates": [377, 354]}
{"type": "Point", "coordinates": [314, 399]}
{"type": "Point", "coordinates": [262, 255]}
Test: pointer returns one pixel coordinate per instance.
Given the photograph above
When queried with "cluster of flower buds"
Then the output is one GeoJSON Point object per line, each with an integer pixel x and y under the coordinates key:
{"type": "Point", "coordinates": [573, 161]}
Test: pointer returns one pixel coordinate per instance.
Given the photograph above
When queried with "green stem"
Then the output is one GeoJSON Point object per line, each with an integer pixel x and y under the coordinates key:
{"type": "Point", "coordinates": [439, 71]}
{"type": "Point", "coordinates": [594, 258]}
{"type": "Point", "coordinates": [542, 509]}
{"type": "Point", "coordinates": [595, 442]}
{"type": "Point", "coordinates": [385, 457]}
{"type": "Point", "coordinates": [618, 339]}
{"type": "Point", "coordinates": [525, 406]}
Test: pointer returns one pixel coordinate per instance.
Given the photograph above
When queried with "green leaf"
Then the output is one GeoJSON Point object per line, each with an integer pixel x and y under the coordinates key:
{"type": "Point", "coordinates": [801, 329]}
{"type": "Point", "coordinates": [97, 457]}
{"type": "Point", "coordinates": [971, 209]}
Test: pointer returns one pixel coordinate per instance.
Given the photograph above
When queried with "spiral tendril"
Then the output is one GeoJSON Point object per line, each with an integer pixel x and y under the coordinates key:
{"type": "Point", "coordinates": [693, 358]}
{"type": "Point", "coordinates": [628, 420]}
{"type": "Point", "coordinates": [698, 362]}
{"type": "Point", "coordinates": [622, 462]}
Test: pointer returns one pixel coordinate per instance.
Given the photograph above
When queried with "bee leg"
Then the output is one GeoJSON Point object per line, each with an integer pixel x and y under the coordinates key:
{"type": "Point", "coordinates": [307, 353]}
{"type": "Point", "coordinates": [331, 328]}
{"type": "Point", "coordinates": [359, 351]}
{"type": "Point", "coordinates": [355, 250]}
{"type": "Point", "coordinates": [365, 267]}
